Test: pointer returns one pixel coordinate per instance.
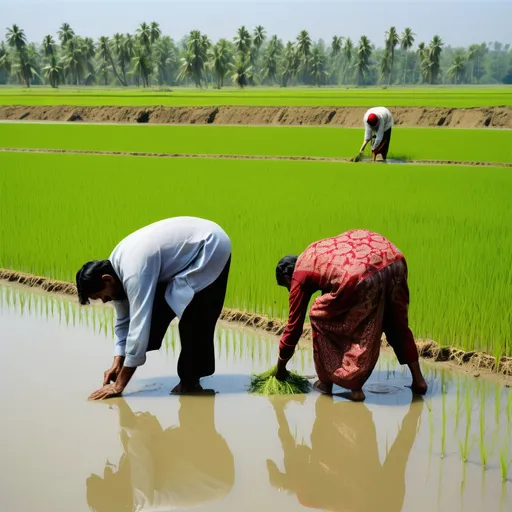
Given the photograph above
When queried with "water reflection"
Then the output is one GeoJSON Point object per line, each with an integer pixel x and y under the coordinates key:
{"type": "Point", "coordinates": [162, 469]}
{"type": "Point", "coordinates": [342, 470]}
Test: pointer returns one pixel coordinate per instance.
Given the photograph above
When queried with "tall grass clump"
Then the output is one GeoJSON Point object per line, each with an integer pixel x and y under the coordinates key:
{"type": "Point", "coordinates": [443, 218]}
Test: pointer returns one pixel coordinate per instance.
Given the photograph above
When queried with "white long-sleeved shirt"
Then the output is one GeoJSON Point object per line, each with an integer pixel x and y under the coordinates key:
{"type": "Point", "coordinates": [385, 123]}
{"type": "Point", "coordinates": [188, 253]}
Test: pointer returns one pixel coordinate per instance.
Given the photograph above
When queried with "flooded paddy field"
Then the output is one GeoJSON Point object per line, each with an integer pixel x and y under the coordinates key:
{"type": "Point", "coordinates": [151, 451]}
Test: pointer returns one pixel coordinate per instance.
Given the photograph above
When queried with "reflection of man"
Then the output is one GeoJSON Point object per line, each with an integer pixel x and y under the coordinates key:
{"type": "Point", "coordinates": [179, 467]}
{"type": "Point", "coordinates": [342, 470]}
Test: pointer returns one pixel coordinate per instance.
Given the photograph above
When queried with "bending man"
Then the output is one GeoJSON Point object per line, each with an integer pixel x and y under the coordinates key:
{"type": "Point", "coordinates": [176, 267]}
{"type": "Point", "coordinates": [363, 280]}
{"type": "Point", "coordinates": [378, 120]}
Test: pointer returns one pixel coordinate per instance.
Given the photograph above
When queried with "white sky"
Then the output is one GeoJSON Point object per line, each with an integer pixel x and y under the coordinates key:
{"type": "Point", "coordinates": [458, 22]}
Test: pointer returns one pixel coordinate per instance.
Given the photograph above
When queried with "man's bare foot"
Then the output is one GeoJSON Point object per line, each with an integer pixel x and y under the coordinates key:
{"type": "Point", "coordinates": [419, 387]}
{"type": "Point", "coordinates": [322, 387]}
{"type": "Point", "coordinates": [183, 388]}
{"type": "Point", "coordinates": [354, 396]}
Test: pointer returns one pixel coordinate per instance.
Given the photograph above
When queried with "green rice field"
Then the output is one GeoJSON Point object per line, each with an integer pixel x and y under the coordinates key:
{"type": "Point", "coordinates": [407, 143]}
{"type": "Point", "coordinates": [452, 223]}
{"type": "Point", "coordinates": [443, 96]}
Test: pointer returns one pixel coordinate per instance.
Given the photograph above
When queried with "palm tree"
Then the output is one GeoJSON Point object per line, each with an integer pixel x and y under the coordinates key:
{"type": "Point", "coordinates": [154, 32]}
{"type": "Point", "coordinates": [165, 59]}
{"type": "Point", "coordinates": [364, 52]}
{"type": "Point", "coordinates": [76, 59]}
{"type": "Point", "coordinates": [122, 53]}
{"type": "Point", "coordinates": [105, 55]}
{"type": "Point", "coordinates": [291, 63]}
{"type": "Point", "coordinates": [422, 54]}
{"type": "Point", "coordinates": [241, 70]}
{"type": "Point", "coordinates": [5, 59]}
{"type": "Point", "coordinates": [16, 38]}
{"type": "Point", "coordinates": [144, 36]}
{"type": "Point", "coordinates": [336, 46]}
{"type": "Point", "coordinates": [141, 64]}
{"type": "Point", "coordinates": [392, 40]}
{"type": "Point", "coordinates": [196, 56]}
{"type": "Point", "coordinates": [317, 65]}
{"type": "Point", "coordinates": [304, 44]}
{"type": "Point", "coordinates": [53, 71]}
{"type": "Point", "coordinates": [259, 37]}
{"type": "Point", "coordinates": [220, 57]}
{"type": "Point", "coordinates": [65, 33]}
{"type": "Point", "coordinates": [49, 46]}
{"type": "Point", "coordinates": [271, 59]}
{"type": "Point", "coordinates": [348, 53]}
{"type": "Point", "coordinates": [386, 64]}
{"type": "Point", "coordinates": [406, 42]}
{"type": "Point", "coordinates": [457, 68]}
{"type": "Point", "coordinates": [472, 55]}
{"type": "Point", "coordinates": [434, 58]}
{"type": "Point", "coordinates": [242, 41]}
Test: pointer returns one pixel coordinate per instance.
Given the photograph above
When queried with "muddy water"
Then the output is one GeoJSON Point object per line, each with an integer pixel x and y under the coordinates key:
{"type": "Point", "coordinates": [230, 452]}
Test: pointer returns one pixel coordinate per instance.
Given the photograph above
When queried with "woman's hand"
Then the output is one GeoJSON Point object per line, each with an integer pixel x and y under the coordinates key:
{"type": "Point", "coordinates": [282, 373]}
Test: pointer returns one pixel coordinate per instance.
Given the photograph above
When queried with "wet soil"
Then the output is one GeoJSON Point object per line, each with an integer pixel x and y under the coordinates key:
{"type": "Point", "coordinates": [232, 451]}
{"type": "Point", "coordinates": [251, 157]}
{"type": "Point", "coordinates": [348, 117]}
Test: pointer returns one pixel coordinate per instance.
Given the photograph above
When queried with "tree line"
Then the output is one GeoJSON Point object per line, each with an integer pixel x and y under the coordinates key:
{"type": "Point", "coordinates": [147, 58]}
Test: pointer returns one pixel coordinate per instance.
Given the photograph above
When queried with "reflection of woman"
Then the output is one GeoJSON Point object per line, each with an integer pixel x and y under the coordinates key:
{"type": "Point", "coordinates": [342, 471]}
{"type": "Point", "coordinates": [176, 468]}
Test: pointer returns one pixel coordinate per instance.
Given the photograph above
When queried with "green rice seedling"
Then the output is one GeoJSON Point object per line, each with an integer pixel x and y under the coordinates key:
{"type": "Point", "coordinates": [497, 404]}
{"type": "Point", "coordinates": [267, 384]}
{"type": "Point", "coordinates": [484, 453]}
{"type": "Point", "coordinates": [465, 446]}
{"type": "Point", "coordinates": [457, 405]}
{"type": "Point", "coordinates": [443, 427]}
{"type": "Point", "coordinates": [505, 460]}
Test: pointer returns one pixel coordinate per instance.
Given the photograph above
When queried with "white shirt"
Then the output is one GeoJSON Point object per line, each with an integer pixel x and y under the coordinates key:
{"type": "Point", "coordinates": [187, 252]}
{"type": "Point", "coordinates": [385, 123]}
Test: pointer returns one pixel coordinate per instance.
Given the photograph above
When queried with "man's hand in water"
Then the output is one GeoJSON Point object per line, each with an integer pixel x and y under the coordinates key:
{"type": "Point", "coordinates": [108, 391]}
{"type": "Point", "coordinates": [112, 390]}
{"type": "Point", "coordinates": [111, 374]}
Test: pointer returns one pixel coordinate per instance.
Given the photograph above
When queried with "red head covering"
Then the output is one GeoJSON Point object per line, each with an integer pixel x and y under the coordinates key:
{"type": "Point", "coordinates": [372, 119]}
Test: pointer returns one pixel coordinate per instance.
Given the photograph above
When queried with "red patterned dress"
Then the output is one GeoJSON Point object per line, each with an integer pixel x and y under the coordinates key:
{"type": "Point", "coordinates": [363, 279]}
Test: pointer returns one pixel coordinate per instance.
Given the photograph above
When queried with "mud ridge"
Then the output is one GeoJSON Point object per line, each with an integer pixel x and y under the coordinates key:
{"type": "Point", "coordinates": [242, 157]}
{"type": "Point", "coordinates": [428, 349]}
{"type": "Point", "coordinates": [348, 117]}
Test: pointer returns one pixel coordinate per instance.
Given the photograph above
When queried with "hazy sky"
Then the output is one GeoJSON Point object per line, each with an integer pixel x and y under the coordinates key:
{"type": "Point", "coordinates": [458, 22]}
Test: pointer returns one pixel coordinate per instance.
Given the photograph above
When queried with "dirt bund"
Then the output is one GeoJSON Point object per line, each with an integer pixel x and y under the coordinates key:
{"type": "Point", "coordinates": [348, 117]}
{"type": "Point", "coordinates": [246, 157]}
{"type": "Point", "coordinates": [430, 350]}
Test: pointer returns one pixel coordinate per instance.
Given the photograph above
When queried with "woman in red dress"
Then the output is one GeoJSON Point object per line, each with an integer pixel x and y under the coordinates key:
{"type": "Point", "coordinates": [363, 280]}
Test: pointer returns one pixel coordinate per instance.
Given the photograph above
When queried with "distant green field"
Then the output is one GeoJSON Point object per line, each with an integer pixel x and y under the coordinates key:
{"type": "Point", "coordinates": [453, 224]}
{"type": "Point", "coordinates": [407, 143]}
{"type": "Point", "coordinates": [294, 96]}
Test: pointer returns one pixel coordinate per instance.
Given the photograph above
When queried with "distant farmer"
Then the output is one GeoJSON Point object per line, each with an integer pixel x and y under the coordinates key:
{"type": "Point", "coordinates": [378, 120]}
{"type": "Point", "coordinates": [176, 267]}
{"type": "Point", "coordinates": [363, 281]}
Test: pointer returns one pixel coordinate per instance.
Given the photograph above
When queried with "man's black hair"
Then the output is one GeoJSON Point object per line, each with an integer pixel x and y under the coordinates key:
{"type": "Point", "coordinates": [88, 278]}
{"type": "Point", "coordinates": [285, 268]}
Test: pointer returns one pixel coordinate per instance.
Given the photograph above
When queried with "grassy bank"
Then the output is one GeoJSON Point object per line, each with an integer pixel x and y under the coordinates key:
{"type": "Point", "coordinates": [407, 143]}
{"type": "Point", "coordinates": [452, 223]}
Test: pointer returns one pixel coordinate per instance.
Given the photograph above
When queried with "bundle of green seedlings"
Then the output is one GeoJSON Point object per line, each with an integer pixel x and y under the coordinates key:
{"type": "Point", "coordinates": [268, 384]}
